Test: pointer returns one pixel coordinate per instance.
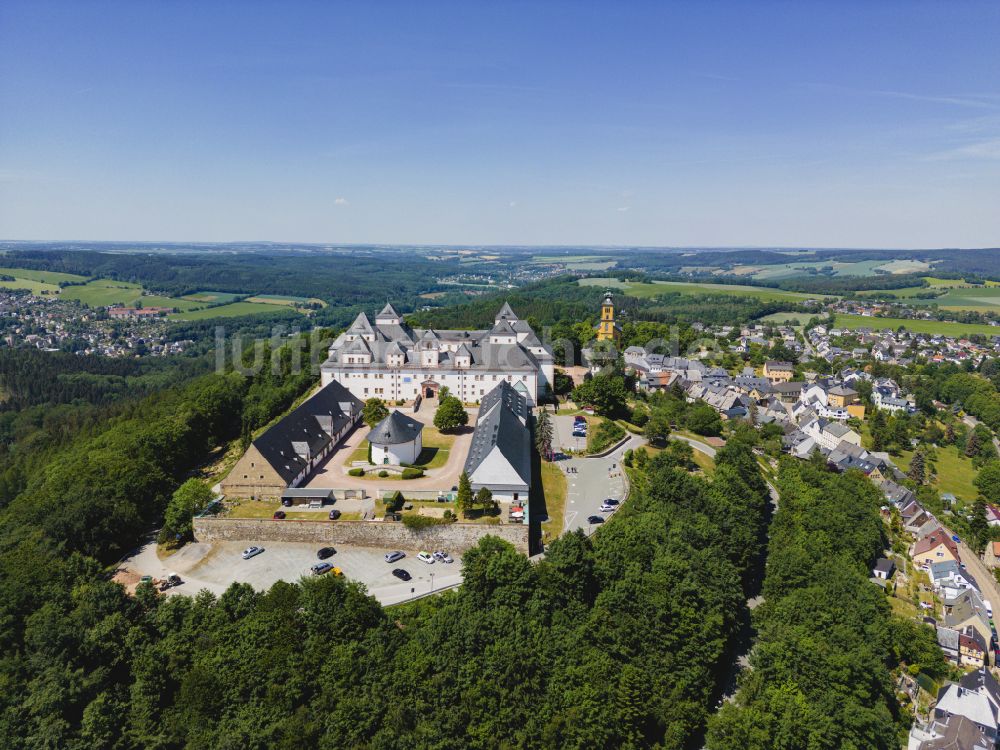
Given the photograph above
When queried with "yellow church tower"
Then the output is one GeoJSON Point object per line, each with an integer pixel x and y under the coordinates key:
{"type": "Point", "coordinates": [607, 329]}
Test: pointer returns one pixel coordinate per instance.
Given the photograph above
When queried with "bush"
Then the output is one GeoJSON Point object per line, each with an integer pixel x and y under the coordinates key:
{"type": "Point", "coordinates": [492, 521]}
{"type": "Point", "coordinates": [412, 473]}
{"type": "Point", "coordinates": [356, 472]}
{"type": "Point", "coordinates": [604, 435]}
{"type": "Point", "coordinates": [413, 521]}
{"type": "Point", "coordinates": [383, 473]}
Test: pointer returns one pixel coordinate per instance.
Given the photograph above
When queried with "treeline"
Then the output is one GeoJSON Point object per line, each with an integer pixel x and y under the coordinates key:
{"type": "Point", "coordinates": [29, 377]}
{"type": "Point", "coordinates": [617, 641]}
{"type": "Point", "coordinates": [826, 638]}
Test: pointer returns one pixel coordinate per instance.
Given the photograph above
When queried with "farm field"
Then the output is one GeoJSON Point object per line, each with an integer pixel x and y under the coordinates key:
{"type": "Point", "coordinates": [209, 296]}
{"type": "Point", "coordinates": [649, 290]}
{"type": "Point", "coordinates": [959, 296]}
{"type": "Point", "coordinates": [957, 330]}
{"type": "Point", "coordinates": [279, 299]}
{"type": "Point", "coordinates": [232, 310]}
{"type": "Point", "coordinates": [103, 292]}
{"type": "Point", "coordinates": [47, 277]}
{"type": "Point", "coordinates": [859, 268]}
{"type": "Point", "coordinates": [781, 318]}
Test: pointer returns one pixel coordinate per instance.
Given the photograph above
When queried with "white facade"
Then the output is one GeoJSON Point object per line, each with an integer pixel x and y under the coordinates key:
{"type": "Point", "coordinates": [400, 453]}
{"type": "Point", "coordinates": [391, 361]}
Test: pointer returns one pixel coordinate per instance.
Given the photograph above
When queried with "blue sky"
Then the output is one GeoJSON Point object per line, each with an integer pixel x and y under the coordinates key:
{"type": "Point", "coordinates": [869, 124]}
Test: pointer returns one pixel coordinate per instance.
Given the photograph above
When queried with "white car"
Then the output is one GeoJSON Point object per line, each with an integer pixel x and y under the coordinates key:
{"type": "Point", "coordinates": [252, 552]}
{"type": "Point", "coordinates": [605, 508]}
{"type": "Point", "coordinates": [426, 557]}
{"type": "Point", "coordinates": [443, 556]}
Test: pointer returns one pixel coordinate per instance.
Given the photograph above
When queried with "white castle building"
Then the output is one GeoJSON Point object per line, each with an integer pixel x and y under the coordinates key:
{"type": "Point", "coordinates": [391, 361]}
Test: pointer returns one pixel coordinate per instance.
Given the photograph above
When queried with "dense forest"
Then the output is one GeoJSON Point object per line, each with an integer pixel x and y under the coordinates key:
{"type": "Point", "coordinates": [826, 639]}
{"type": "Point", "coordinates": [617, 641]}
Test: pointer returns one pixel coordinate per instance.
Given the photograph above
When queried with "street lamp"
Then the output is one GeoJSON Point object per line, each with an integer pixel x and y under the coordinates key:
{"type": "Point", "coordinates": [432, 581]}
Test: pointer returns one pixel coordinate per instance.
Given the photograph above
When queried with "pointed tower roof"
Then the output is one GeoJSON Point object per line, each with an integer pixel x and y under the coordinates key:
{"type": "Point", "coordinates": [361, 324]}
{"type": "Point", "coordinates": [503, 328]}
{"type": "Point", "coordinates": [388, 312]}
{"type": "Point", "coordinates": [505, 313]}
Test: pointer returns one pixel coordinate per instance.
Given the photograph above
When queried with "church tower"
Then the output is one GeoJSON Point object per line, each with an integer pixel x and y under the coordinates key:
{"type": "Point", "coordinates": [607, 329]}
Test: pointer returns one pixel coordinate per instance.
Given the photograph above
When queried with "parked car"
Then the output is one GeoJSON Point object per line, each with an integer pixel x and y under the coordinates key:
{"type": "Point", "coordinates": [956, 539]}
{"type": "Point", "coordinates": [287, 502]}
{"type": "Point", "coordinates": [605, 508]}
{"type": "Point", "coordinates": [579, 419]}
{"type": "Point", "coordinates": [611, 501]}
{"type": "Point", "coordinates": [334, 514]}
{"type": "Point", "coordinates": [443, 556]}
{"type": "Point", "coordinates": [391, 557]}
{"type": "Point", "coordinates": [320, 568]}
{"type": "Point", "coordinates": [279, 515]}
{"type": "Point", "coordinates": [426, 557]}
{"type": "Point", "coordinates": [325, 552]}
{"type": "Point", "coordinates": [595, 519]}
{"type": "Point", "coordinates": [252, 552]}
{"type": "Point", "coordinates": [401, 574]}
{"type": "Point", "coordinates": [171, 580]}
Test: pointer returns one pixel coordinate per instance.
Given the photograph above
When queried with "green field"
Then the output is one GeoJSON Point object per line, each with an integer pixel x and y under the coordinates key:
{"type": "Point", "coordinates": [959, 295]}
{"type": "Point", "coordinates": [48, 277]}
{"type": "Point", "coordinates": [955, 330]}
{"type": "Point", "coordinates": [283, 299]}
{"type": "Point", "coordinates": [232, 310]}
{"type": "Point", "coordinates": [780, 318]}
{"type": "Point", "coordinates": [646, 291]}
{"type": "Point", "coordinates": [103, 292]}
{"type": "Point", "coordinates": [210, 296]}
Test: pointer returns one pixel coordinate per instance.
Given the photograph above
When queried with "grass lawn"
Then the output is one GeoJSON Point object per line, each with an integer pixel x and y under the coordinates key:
{"type": "Point", "coordinates": [955, 472]}
{"type": "Point", "coordinates": [261, 509]}
{"type": "Point", "coordinates": [705, 463]}
{"type": "Point", "coordinates": [435, 453]}
{"type": "Point", "coordinates": [643, 290]}
{"type": "Point", "coordinates": [554, 489]}
{"type": "Point", "coordinates": [36, 287]}
{"type": "Point", "coordinates": [232, 310]}
{"type": "Point", "coordinates": [957, 330]}
{"type": "Point", "coordinates": [781, 318]}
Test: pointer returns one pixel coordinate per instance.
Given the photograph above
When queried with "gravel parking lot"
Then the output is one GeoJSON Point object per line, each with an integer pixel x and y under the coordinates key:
{"type": "Point", "coordinates": [216, 566]}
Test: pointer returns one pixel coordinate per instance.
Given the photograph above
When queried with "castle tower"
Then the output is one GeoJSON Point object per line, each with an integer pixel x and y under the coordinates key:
{"type": "Point", "coordinates": [607, 329]}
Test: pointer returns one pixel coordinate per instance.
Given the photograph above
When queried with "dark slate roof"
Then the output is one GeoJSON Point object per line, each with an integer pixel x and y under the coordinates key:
{"type": "Point", "coordinates": [499, 428]}
{"type": "Point", "coordinates": [510, 398]}
{"type": "Point", "coordinates": [506, 313]}
{"type": "Point", "coordinates": [395, 429]}
{"type": "Point", "coordinates": [307, 429]}
{"type": "Point", "coordinates": [388, 312]}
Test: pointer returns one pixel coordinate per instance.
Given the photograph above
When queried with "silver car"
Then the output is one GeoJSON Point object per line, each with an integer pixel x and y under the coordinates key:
{"type": "Point", "coordinates": [391, 557]}
{"type": "Point", "coordinates": [252, 552]}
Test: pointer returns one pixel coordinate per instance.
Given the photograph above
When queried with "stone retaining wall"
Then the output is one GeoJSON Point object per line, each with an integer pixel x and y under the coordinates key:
{"type": "Point", "coordinates": [453, 537]}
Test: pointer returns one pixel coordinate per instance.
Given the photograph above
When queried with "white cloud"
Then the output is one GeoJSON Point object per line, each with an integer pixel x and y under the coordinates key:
{"type": "Point", "coordinates": [623, 209]}
{"type": "Point", "coordinates": [512, 204]}
{"type": "Point", "coordinates": [340, 202]}
{"type": "Point", "coordinates": [988, 149]}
